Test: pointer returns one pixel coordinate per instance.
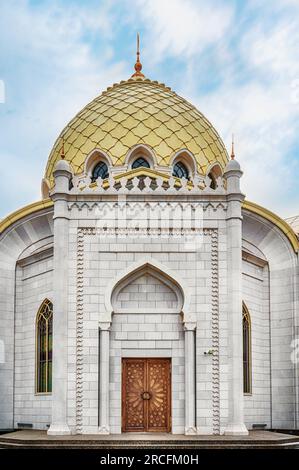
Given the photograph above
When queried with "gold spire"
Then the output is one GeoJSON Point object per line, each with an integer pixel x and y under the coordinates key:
{"type": "Point", "coordinates": [232, 156]}
{"type": "Point", "coordinates": [138, 65]}
{"type": "Point", "coordinates": [62, 154]}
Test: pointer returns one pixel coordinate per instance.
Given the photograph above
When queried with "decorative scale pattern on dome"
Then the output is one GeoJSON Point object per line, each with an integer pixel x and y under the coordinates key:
{"type": "Point", "coordinates": [138, 112]}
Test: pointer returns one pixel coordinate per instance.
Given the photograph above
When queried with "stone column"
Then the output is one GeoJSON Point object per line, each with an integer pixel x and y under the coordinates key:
{"type": "Point", "coordinates": [190, 396]}
{"type": "Point", "coordinates": [235, 425]}
{"type": "Point", "coordinates": [62, 175]}
{"type": "Point", "coordinates": [104, 404]}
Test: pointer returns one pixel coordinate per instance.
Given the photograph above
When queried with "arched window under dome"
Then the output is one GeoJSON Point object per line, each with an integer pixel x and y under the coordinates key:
{"type": "Point", "coordinates": [100, 171]}
{"type": "Point", "coordinates": [214, 173]}
{"type": "Point", "coordinates": [180, 170]}
{"type": "Point", "coordinates": [44, 330]}
{"type": "Point", "coordinates": [140, 162]}
{"type": "Point", "coordinates": [213, 184]}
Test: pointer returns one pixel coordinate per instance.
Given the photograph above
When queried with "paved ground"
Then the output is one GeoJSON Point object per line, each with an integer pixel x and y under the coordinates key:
{"type": "Point", "coordinates": [40, 439]}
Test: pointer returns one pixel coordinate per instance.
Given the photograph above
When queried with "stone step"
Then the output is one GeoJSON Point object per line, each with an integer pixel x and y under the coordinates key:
{"type": "Point", "coordinates": [150, 444]}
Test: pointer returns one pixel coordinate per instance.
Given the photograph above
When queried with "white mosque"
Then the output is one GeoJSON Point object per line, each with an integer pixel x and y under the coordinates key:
{"type": "Point", "coordinates": [144, 292]}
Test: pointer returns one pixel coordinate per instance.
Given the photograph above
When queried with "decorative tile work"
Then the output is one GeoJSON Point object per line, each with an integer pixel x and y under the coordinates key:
{"type": "Point", "coordinates": [138, 112]}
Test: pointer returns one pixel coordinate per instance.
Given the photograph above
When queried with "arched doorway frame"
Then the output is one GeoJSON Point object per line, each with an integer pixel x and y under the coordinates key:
{"type": "Point", "coordinates": [167, 276]}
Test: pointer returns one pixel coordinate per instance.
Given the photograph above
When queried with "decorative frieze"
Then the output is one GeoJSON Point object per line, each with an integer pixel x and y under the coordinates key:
{"type": "Point", "coordinates": [79, 329]}
{"type": "Point", "coordinates": [215, 333]}
{"type": "Point", "coordinates": [103, 206]}
{"type": "Point", "coordinates": [92, 231]}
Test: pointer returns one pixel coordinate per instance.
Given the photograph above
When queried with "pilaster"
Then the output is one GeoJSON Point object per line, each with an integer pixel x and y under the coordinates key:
{"type": "Point", "coordinates": [104, 328]}
{"type": "Point", "coordinates": [190, 392]}
{"type": "Point", "coordinates": [235, 424]}
{"type": "Point", "coordinates": [62, 175]}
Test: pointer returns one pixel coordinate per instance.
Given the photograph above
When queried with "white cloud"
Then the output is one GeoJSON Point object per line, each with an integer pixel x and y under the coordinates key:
{"type": "Point", "coordinates": [264, 131]}
{"type": "Point", "coordinates": [183, 28]}
{"type": "Point", "coordinates": [263, 111]}
{"type": "Point", "coordinates": [273, 50]}
{"type": "Point", "coordinates": [51, 73]}
{"type": "Point", "coordinates": [255, 59]}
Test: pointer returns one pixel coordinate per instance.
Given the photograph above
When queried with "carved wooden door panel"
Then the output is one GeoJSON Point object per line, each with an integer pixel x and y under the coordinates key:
{"type": "Point", "coordinates": [133, 405]}
{"type": "Point", "coordinates": [146, 395]}
{"type": "Point", "coordinates": [158, 384]}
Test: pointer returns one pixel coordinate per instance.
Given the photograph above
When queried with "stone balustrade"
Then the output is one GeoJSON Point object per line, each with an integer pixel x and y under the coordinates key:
{"type": "Point", "coordinates": [146, 185]}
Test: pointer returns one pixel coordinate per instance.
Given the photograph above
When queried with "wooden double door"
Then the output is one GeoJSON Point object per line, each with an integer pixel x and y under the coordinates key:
{"type": "Point", "coordinates": [146, 395]}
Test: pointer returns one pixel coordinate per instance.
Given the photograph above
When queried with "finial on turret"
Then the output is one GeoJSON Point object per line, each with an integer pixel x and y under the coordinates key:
{"type": "Point", "coordinates": [232, 156]}
{"type": "Point", "coordinates": [62, 154]}
{"type": "Point", "coordinates": [138, 65]}
{"type": "Point", "coordinates": [232, 164]}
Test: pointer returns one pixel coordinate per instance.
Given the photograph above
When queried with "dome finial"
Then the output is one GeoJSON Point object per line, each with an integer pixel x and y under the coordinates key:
{"type": "Point", "coordinates": [138, 65]}
{"type": "Point", "coordinates": [232, 156]}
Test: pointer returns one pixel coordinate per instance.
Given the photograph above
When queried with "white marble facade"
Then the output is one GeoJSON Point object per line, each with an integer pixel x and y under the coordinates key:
{"type": "Point", "coordinates": [164, 277]}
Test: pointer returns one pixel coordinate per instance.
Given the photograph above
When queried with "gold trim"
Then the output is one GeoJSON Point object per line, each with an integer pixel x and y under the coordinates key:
{"type": "Point", "coordinates": [27, 210]}
{"type": "Point", "coordinates": [142, 171]}
{"type": "Point", "coordinates": [276, 220]}
{"type": "Point", "coordinates": [151, 173]}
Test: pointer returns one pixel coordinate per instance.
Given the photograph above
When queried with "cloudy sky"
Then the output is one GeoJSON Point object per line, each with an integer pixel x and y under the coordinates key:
{"type": "Point", "coordinates": [236, 60]}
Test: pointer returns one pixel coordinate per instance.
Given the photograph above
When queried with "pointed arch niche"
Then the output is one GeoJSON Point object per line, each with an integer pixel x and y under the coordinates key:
{"type": "Point", "coordinates": [149, 290]}
{"type": "Point", "coordinates": [146, 288]}
{"type": "Point", "coordinates": [152, 268]}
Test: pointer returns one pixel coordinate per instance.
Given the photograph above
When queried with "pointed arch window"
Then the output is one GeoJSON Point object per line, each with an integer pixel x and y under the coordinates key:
{"type": "Point", "coordinates": [44, 332]}
{"type": "Point", "coordinates": [213, 184]}
{"type": "Point", "coordinates": [247, 387]}
{"type": "Point", "coordinates": [214, 174]}
{"type": "Point", "coordinates": [140, 162]}
{"type": "Point", "coordinates": [180, 170]}
{"type": "Point", "coordinates": [100, 171]}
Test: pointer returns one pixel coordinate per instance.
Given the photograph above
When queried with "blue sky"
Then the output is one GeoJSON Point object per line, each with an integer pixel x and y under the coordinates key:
{"type": "Point", "coordinates": [237, 61]}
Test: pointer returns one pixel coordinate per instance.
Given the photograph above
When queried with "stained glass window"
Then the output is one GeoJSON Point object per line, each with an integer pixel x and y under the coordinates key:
{"type": "Point", "coordinates": [140, 162]}
{"type": "Point", "coordinates": [100, 171]}
{"type": "Point", "coordinates": [180, 171]}
{"type": "Point", "coordinates": [246, 350]}
{"type": "Point", "coordinates": [44, 332]}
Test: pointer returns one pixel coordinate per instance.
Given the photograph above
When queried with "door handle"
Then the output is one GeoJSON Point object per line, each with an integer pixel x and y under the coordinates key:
{"type": "Point", "coordinates": [146, 395]}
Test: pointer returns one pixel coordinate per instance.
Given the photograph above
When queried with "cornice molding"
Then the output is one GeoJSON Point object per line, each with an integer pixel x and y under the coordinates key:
{"type": "Point", "coordinates": [23, 212]}
{"type": "Point", "coordinates": [274, 219]}
{"type": "Point", "coordinates": [247, 206]}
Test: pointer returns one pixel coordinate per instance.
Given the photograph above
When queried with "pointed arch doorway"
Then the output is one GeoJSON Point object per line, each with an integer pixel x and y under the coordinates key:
{"type": "Point", "coordinates": [146, 319]}
{"type": "Point", "coordinates": [146, 395]}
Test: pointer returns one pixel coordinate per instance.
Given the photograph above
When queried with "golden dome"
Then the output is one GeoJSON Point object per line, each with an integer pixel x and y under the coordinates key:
{"type": "Point", "coordinates": [138, 111]}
